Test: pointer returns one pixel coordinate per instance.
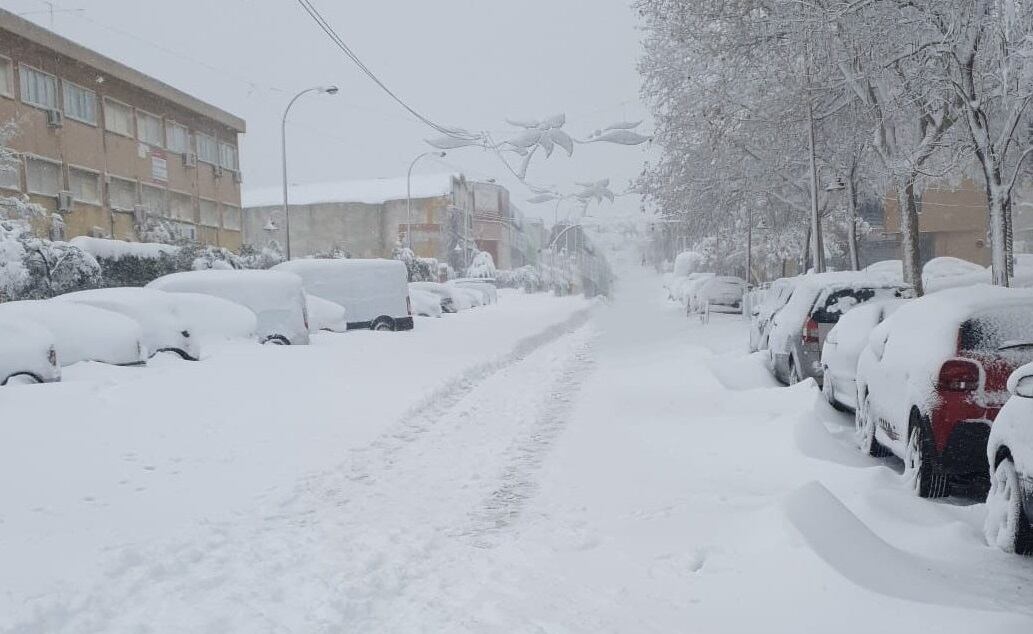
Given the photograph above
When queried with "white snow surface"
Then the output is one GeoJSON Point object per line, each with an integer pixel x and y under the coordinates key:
{"type": "Point", "coordinates": [212, 319]}
{"type": "Point", "coordinates": [118, 249]}
{"type": "Point", "coordinates": [373, 192]}
{"type": "Point", "coordinates": [83, 333]}
{"type": "Point", "coordinates": [527, 467]}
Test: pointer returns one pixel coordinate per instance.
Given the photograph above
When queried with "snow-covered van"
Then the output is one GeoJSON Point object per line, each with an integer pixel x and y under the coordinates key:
{"type": "Point", "coordinates": [375, 293]}
{"type": "Point", "coordinates": [276, 298]}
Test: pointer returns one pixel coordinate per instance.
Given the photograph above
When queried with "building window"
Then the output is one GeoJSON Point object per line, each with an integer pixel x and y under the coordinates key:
{"type": "Point", "coordinates": [10, 177]}
{"type": "Point", "coordinates": [178, 138]}
{"type": "Point", "coordinates": [42, 177]}
{"type": "Point", "coordinates": [231, 217]}
{"type": "Point", "coordinates": [118, 118]}
{"type": "Point", "coordinates": [122, 194]}
{"type": "Point", "coordinates": [207, 149]}
{"type": "Point", "coordinates": [228, 156]}
{"type": "Point", "coordinates": [84, 185]}
{"type": "Point", "coordinates": [209, 213]}
{"type": "Point", "coordinates": [149, 129]}
{"type": "Point", "coordinates": [80, 103]}
{"type": "Point", "coordinates": [181, 206]}
{"type": "Point", "coordinates": [154, 200]}
{"type": "Point", "coordinates": [6, 77]}
{"type": "Point", "coordinates": [38, 88]}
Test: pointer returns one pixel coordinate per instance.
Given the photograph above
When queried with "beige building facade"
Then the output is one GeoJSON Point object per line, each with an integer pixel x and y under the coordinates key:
{"type": "Point", "coordinates": [112, 151]}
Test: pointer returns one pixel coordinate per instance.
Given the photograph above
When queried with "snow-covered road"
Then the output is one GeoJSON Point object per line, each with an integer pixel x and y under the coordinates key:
{"type": "Point", "coordinates": [544, 465]}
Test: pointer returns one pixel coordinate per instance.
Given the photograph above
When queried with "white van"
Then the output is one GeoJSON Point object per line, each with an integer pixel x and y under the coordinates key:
{"type": "Point", "coordinates": [375, 293]}
{"type": "Point", "coordinates": [276, 299]}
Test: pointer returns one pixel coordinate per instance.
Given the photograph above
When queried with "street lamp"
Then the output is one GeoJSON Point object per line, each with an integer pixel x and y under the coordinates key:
{"type": "Point", "coordinates": [329, 90]}
{"type": "Point", "coordinates": [408, 194]}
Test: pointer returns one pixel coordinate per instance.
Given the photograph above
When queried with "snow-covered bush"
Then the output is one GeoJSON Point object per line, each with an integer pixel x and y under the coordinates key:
{"type": "Point", "coordinates": [56, 268]}
{"type": "Point", "coordinates": [263, 258]}
{"type": "Point", "coordinates": [525, 277]}
{"type": "Point", "coordinates": [420, 269]}
{"type": "Point", "coordinates": [483, 265]}
{"type": "Point", "coordinates": [210, 257]}
{"type": "Point", "coordinates": [131, 263]}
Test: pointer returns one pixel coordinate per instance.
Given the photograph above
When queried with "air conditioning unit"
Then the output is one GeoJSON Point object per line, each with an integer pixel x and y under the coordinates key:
{"type": "Point", "coordinates": [64, 201]}
{"type": "Point", "coordinates": [238, 178]}
{"type": "Point", "coordinates": [189, 159]}
{"type": "Point", "coordinates": [54, 118]}
{"type": "Point", "coordinates": [217, 170]}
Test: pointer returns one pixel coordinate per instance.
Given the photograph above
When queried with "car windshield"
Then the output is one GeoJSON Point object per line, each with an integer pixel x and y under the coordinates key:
{"type": "Point", "coordinates": [830, 306]}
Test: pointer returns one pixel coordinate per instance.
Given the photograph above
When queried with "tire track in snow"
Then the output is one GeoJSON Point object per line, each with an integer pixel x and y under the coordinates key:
{"type": "Point", "coordinates": [363, 545]}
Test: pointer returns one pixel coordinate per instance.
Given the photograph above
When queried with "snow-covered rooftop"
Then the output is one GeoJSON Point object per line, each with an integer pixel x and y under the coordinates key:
{"type": "Point", "coordinates": [373, 192]}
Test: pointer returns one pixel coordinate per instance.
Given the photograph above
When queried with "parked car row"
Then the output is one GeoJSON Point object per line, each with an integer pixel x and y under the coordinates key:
{"type": "Point", "coordinates": [944, 382]}
{"type": "Point", "coordinates": [178, 313]}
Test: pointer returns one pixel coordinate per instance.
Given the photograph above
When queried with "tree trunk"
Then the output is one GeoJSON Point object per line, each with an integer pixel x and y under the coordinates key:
{"type": "Point", "coordinates": [998, 238]}
{"type": "Point", "coordinates": [851, 233]}
{"type": "Point", "coordinates": [911, 257]}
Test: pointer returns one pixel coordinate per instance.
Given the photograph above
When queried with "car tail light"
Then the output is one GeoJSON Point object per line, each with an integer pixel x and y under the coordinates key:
{"type": "Point", "coordinates": [959, 375]}
{"type": "Point", "coordinates": [408, 304]}
{"type": "Point", "coordinates": [810, 331]}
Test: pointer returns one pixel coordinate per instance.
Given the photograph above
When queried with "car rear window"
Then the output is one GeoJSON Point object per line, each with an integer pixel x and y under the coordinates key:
{"type": "Point", "coordinates": [1010, 327]}
{"type": "Point", "coordinates": [838, 302]}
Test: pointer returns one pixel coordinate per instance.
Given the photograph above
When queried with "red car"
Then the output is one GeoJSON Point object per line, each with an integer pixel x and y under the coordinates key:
{"type": "Point", "coordinates": [933, 377]}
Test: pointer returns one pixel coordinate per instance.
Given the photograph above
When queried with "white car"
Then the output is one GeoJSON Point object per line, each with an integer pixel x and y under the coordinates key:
{"type": "Point", "coordinates": [277, 299]}
{"type": "Point", "coordinates": [164, 328]}
{"type": "Point", "coordinates": [374, 292]}
{"type": "Point", "coordinates": [425, 303]}
{"type": "Point", "coordinates": [444, 292]}
{"type": "Point", "coordinates": [485, 286]}
{"type": "Point", "coordinates": [1009, 452]}
{"type": "Point", "coordinates": [721, 293]}
{"type": "Point", "coordinates": [82, 332]}
{"type": "Point", "coordinates": [324, 314]}
{"type": "Point", "coordinates": [27, 350]}
{"type": "Point", "coordinates": [775, 297]}
{"type": "Point", "coordinates": [212, 318]}
{"type": "Point", "coordinates": [843, 347]}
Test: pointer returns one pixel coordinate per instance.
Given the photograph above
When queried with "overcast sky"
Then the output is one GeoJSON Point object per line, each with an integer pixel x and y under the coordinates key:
{"type": "Point", "coordinates": [467, 63]}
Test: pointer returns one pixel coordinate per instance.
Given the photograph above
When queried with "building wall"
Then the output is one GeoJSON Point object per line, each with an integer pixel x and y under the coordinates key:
{"type": "Point", "coordinates": [90, 146]}
{"type": "Point", "coordinates": [954, 218]}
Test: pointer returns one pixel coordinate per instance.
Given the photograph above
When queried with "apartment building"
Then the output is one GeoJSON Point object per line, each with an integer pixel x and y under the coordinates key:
{"type": "Point", "coordinates": [113, 151]}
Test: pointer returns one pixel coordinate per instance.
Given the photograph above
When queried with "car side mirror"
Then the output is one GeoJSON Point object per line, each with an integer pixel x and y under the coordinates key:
{"type": "Point", "coordinates": [1020, 383]}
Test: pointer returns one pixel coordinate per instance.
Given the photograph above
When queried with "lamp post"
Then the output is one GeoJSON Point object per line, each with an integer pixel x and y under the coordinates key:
{"type": "Point", "coordinates": [408, 194]}
{"type": "Point", "coordinates": [329, 90]}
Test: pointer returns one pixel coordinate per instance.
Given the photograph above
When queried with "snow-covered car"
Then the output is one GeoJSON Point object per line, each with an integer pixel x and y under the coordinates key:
{"type": "Point", "coordinates": [487, 288]}
{"type": "Point", "coordinates": [82, 332]}
{"type": "Point", "coordinates": [1009, 452]}
{"type": "Point", "coordinates": [843, 347]}
{"type": "Point", "coordinates": [686, 264]}
{"type": "Point", "coordinates": [775, 297]}
{"type": "Point", "coordinates": [444, 293]}
{"type": "Point", "coordinates": [27, 350]}
{"type": "Point", "coordinates": [164, 327]}
{"type": "Point", "coordinates": [687, 293]}
{"type": "Point", "coordinates": [424, 303]}
{"type": "Point", "coordinates": [277, 299]}
{"type": "Point", "coordinates": [469, 297]}
{"type": "Point", "coordinates": [212, 318]}
{"type": "Point", "coordinates": [799, 329]}
{"type": "Point", "coordinates": [721, 293]}
{"type": "Point", "coordinates": [324, 314]}
{"type": "Point", "coordinates": [933, 377]}
{"type": "Point", "coordinates": [374, 292]}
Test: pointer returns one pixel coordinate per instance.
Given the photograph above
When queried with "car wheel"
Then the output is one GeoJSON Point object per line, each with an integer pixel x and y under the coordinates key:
{"type": "Point", "coordinates": [920, 468]}
{"type": "Point", "coordinates": [1006, 526]}
{"type": "Point", "coordinates": [864, 424]}
{"type": "Point", "coordinates": [794, 374]}
{"type": "Point", "coordinates": [382, 324]}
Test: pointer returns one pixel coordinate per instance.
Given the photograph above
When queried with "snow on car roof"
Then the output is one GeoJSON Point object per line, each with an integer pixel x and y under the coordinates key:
{"type": "Point", "coordinates": [373, 192]}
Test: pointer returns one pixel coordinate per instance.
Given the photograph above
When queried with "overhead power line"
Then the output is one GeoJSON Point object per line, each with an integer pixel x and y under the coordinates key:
{"type": "Point", "coordinates": [341, 44]}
